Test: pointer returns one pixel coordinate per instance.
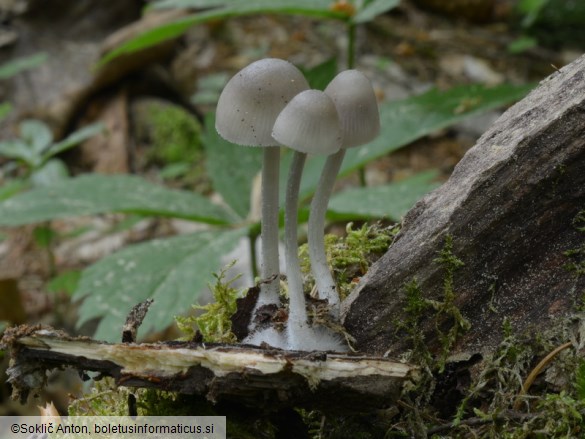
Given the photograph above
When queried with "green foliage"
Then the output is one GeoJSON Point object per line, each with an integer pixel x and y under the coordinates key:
{"type": "Point", "coordinates": [231, 168]}
{"type": "Point", "coordinates": [92, 194]}
{"type": "Point", "coordinates": [5, 109]}
{"type": "Point", "coordinates": [320, 75]}
{"type": "Point", "coordinates": [369, 10]}
{"type": "Point", "coordinates": [390, 201]}
{"type": "Point", "coordinates": [18, 65]}
{"type": "Point", "coordinates": [171, 271]}
{"type": "Point", "coordinates": [66, 282]}
{"type": "Point", "coordinates": [522, 44]}
{"type": "Point", "coordinates": [209, 88]}
{"type": "Point", "coordinates": [214, 324]}
{"type": "Point", "coordinates": [35, 149]}
{"type": "Point", "coordinates": [530, 9]}
{"type": "Point", "coordinates": [554, 22]}
{"type": "Point", "coordinates": [361, 12]}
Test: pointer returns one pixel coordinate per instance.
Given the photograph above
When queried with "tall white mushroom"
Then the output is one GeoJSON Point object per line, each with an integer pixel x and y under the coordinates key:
{"type": "Point", "coordinates": [246, 112]}
{"type": "Point", "coordinates": [309, 124]}
{"type": "Point", "coordinates": [354, 98]}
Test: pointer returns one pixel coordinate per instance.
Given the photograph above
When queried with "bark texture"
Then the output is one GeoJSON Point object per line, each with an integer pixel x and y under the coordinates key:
{"type": "Point", "coordinates": [265, 379]}
{"type": "Point", "coordinates": [511, 207]}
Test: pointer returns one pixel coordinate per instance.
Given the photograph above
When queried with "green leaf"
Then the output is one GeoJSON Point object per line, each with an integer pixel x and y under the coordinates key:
{"type": "Point", "coordinates": [388, 201]}
{"type": "Point", "coordinates": [17, 150]}
{"type": "Point", "coordinates": [50, 173]}
{"type": "Point", "coordinates": [66, 282]}
{"type": "Point", "coordinates": [171, 271]}
{"type": "Point", "coordinates": [74, 139]}
{"type": "Point", "coordinates": [11, 188]}
{"type": "Point", "coordinates": [93, 194]}
{"type": "Point", "coordinates": [209, 88]}
{"type": "Point", "coordinates": [185, 4]}
{"type": "Point", "coordinates": [231, 167]}
{"type": "Point", "coordinates": [5, 109]}
{"type": "Point", "coordinates": [15, 66]}
{"type": "Point", "coordinates": [38, 137]}
{"type": "Point", "coordinates": [374, 8]}
{"type": "Point", "coordinates": [320, 75]}
{"type": "Point", "coordinates": [175, 170]}
{"type": "Point", "coordinates": [531, 9]}
{"type": "Point", "coordinates": [522, 44]}
{"type": "Point", "coordinates": [404, 121]}
{"type": "Point", "coordinates": [235, 8]}
{"type": "Point", "coordinates": [44, 236]}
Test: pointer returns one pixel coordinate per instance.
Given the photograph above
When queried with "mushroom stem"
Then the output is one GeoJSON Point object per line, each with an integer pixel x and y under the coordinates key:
{"type": "Point", "coordinates": [297, 316]}
{"type": "Point", "coordinates": [326, 286]}
{"type": "Point", "coordinates": [270, 261]}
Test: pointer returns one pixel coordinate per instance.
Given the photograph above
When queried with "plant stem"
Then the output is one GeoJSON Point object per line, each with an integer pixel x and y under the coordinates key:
{"type": "Point", "coordinates": [350, 45]}
{"type": "Point", "coordinates": [326, 286]}
{"type": "Point", "coordinates": [270, 261]}
{"type": "Point", "coordinates": [252, 237]}
{"type": "Point", "coordinates": [351, 29]}
{"type": "Point", "coordinates": [297, 312]}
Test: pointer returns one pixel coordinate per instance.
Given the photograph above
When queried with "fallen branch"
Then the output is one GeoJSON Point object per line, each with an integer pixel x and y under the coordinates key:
{"type": "Point", "coordinates": [266, 379]}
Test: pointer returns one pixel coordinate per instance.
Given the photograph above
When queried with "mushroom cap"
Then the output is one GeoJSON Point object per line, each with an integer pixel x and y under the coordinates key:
{"type": "Point", "coordinates": [251, 100]}
{"type": "Point", "coordinates": [356, 104]}
{"type": "Point", "coordinates": [309, 124]}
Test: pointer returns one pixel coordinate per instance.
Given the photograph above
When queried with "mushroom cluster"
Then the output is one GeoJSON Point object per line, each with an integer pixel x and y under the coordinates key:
{"type": "Point", "coordinates": [269, 104]}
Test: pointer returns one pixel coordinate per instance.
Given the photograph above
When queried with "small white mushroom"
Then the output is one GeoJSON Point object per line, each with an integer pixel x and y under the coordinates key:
{"type": "Point", "coordinates": [309, 124]}
{"type": "Point", "coordinates": [246, 112]}
{"type": "Point", "coordinates": [354, 98]}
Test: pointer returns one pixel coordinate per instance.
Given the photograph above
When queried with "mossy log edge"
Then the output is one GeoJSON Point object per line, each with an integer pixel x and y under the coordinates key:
{"type": "Point", "coordinates": [266, 379]}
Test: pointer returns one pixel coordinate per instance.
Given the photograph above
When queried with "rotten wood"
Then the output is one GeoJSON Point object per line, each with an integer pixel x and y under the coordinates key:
{"type": "Point", "coordinates": [512, 208]}
{"type": "Point", "coordinates": [266, 379]}
{"type": "Point", "coordinates": [134, 320]}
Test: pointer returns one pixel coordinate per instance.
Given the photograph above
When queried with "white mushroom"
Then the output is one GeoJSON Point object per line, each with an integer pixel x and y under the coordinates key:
{"type": "Point", "coordinates": [308, 124]}
{"type": "Point", "coordinates": [354, 98]}
{"type": "Point", "coordinates": [246, 111]}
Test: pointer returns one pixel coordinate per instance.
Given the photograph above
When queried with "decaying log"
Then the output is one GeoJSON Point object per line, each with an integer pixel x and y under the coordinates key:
{"type": "Point", "coordinates": [510, 206]}
{"type": "Point", "coordinates": [260, 378]}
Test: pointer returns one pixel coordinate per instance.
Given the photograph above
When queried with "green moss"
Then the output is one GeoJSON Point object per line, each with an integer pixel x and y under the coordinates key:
{"type": "Point", "coordinates": [175, 135]}
{"type": "Point", "coordinates": [175, 139]}
{"type": "Point", "coordinates": [443, 312]}
{"type": "Point", "coordinates": [446, 309]}
{"type": "Point", "coordinates": [104, 399]}
{"type": "Point", "coordinates": [214, 324]}
{"type": "Point", "coordinates": [350, 256]}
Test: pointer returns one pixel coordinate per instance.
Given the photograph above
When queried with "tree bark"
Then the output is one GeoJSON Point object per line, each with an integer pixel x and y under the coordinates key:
{"type": "Point", "coordinates": [512, 208]}
{"type": "Point", "coordinates": [265, 379]}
